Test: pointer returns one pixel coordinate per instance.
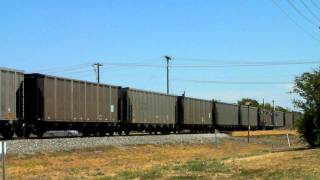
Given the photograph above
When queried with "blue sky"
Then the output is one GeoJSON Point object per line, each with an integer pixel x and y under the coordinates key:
{"type": "Point", "coordinates": [64, 37]}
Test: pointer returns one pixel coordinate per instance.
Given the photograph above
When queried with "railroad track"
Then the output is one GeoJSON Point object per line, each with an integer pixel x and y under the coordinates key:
{"type": "Point", "coordinates": [35, 145]}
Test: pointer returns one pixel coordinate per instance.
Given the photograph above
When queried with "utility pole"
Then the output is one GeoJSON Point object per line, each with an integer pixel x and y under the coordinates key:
{"type": "Point", "coordinates": [273, 105]}
{"type": "Point", "coordinates": [97, 69]}
{"type": "Point", "coordinates": [168, 59]}
{"type": "Point", "coordinates": [249, 128]}
{"type": "Point", "coordinates": [273, 111]}
{"type": "Point", "coordinates": [3, 153]}
{"type": "Point", "coordinates": [263, 114]}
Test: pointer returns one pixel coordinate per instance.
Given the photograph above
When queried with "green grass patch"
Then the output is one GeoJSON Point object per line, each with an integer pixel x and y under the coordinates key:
{"type": "Point", "coordinates": [212, 169]}
{"type": "Point", "coordinates": [275, 174]}
{"type": "Point", "coordinates": [195, 169]}
{"type": "Point", "coordinates": [153, 173]}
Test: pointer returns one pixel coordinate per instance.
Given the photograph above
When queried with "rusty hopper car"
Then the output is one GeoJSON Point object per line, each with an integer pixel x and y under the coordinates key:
{"type": "Point", "coordinates": [253, 117]}
{"type": "Point", "coordinates": [11, 101]}
{"type": "Point", "coordinates": [288, 120]}
{"type": "Point", "coordinates": [53, 103]}
{"type": "Point", "coordinates": [278, 119]}
{"type": "Point", "coordinates": [147, 111]}
{"type": "Point", "coordinates": [195, 115]}
{"type": "Point", "coordinates": [227, 115]}
{"type": "Point", "coordinates": [265, 118]}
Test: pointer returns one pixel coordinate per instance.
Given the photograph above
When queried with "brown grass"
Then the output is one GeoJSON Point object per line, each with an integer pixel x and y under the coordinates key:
{"type": "Point", "coordinates": [114, 160]}
{"type": "Point", "coordinates": [264, 133]}
{"type": "Point", "coordinates": [108, 162]}
{"type": "Point", "coordinates": [303, 159]}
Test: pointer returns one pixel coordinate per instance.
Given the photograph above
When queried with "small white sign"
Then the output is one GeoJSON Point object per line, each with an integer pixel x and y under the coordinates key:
{"type": "Point", "coordinates": [112, 108]}
{"type": "Point", "coordinates": [5, 148]}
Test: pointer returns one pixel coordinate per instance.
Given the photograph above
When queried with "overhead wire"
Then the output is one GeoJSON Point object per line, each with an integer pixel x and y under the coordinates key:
{"type": "Point", "coordinates": [315, 4]}
{"type": "Point", "coordinates": [75, 69]}
{"type": "Point", "coordinates": [309, 10]}
{"type": "Point", "coordinates": [302, 14]}
{"type": "Point", "coordinates": [253, 64]}
{"type": "Point", "coordinates": [114, 66]}
{"type": "Point", "coordinates": [65, 68]}
{"type": "Point", "coordinates": [257, 61]}
{"type": "Point", "coordinates": [294, 22]}
{"type": "Point", "coordinates": [221, 65]}
{"type": "Point", "coordinates": [234, 82]}
{"type": "Point", "coordinates": [151, 79]}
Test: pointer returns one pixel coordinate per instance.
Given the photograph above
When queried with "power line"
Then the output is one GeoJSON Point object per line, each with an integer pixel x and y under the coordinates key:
{"type": "Point", "coordinates": [221, 65]}
{"type": "Point", "coordinates": [112, 66]}
{"type": "Point", "coordinates": [248, 64]}
{"type": "Point", "coordinates": [65, 68]}
{"type": "Point", "coordinates": [241, 62]}
{"type": "Point", "coordinates": [294, 22]}
{"type": "Point", "coordinates": [315, 4]}
{"type": "Point", "coordinates": [310, 11]}
{"type": "Point", "coordinates": [301, 14]}
{"type": "Point", "coordinates": [97, 69]}
{"type": "Point", "coordinates": [73, 72]}
{"type": "Point", "coordinates": [234, 82]}
{"type": "Point", "coordinates": [134, 65]}
{"type": "Point", "coordinates": [151, 79]}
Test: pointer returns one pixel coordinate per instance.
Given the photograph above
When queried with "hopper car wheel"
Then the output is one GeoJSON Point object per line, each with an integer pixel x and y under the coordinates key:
{"type": "Point", "coordinates": [164, 131]}
{"type": "Point", "coordinates": [111, 130]}
{"type": "Point", "coordinates": [111, 133]}
{"type": "Point", "coordinates": [40, 132]}
{"type": "Point", "coordinates": [150, 131]}
{"type": "Point", "coordinates": [18, 129]}
{"type": "Point", "coordinates": [7, 131]}
{"type": "Point", "coordinates": [85, 134]}
{"type": "Point", "coordinates": [19, 132]}
{"type": "Point", "coordinates": [26, 130]}
{"type": "Point", "coordinates": [127, 132]}
{"type": "Point", "coordinates": [102, 133]}
{"type": "Point", "coordinates": [120, 132]}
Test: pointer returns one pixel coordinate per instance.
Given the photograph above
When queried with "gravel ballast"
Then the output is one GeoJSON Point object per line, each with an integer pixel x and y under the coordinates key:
{"type": "Point", "coordinates": [32, 146]}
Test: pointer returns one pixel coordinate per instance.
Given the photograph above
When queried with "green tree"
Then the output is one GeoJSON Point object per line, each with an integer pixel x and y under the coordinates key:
{"type": "Point", "coordinates": [280, 108]}
{"type": "Point", "coordinates": [307, 86]}
{"type": "Point", "coordinates": [267, 106]}
{"type": "Point", "coordinates": [255, 103]}
{"type": "Point", "coordinates": [252, 102]}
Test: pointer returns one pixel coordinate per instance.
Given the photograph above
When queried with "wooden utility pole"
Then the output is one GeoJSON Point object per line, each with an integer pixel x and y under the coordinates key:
{"type": "Point", "coordinates": [248, 104]}
{"type": "Point", "coordinates": [263, 114]}
{"type": "Point", "coordinates": [97, 69]}
{"type": "Point", "coordinates": [273, 112]}
{"type": "Point", "coordinates": [168, 59]}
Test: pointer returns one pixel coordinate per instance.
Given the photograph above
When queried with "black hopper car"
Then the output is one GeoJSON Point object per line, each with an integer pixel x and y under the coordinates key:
{"type": "Point", "coordinates": [11, 101]}
{"type": "Point", "coordinates": [36, 103]}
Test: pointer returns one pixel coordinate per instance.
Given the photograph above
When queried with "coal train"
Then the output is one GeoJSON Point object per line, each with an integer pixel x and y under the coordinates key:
{"type": "Point", "coordinates": [37, 103]}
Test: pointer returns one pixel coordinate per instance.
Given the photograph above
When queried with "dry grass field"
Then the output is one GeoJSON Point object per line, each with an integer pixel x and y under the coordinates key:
{"type": "Point", "coordinates": [264, 133]}
{"type": "Point", "coordinates": [233, 158]}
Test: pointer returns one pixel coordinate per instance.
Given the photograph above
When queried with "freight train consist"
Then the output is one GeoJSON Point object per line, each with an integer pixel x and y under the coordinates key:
{"type": "Point", "coordinates": [36, 103]}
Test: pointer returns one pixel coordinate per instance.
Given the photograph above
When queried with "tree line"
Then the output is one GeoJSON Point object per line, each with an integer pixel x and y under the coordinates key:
{"type": "Point", "coordinates": [255, 103]}
{"type": "Point", "coordinates": [307, 87]}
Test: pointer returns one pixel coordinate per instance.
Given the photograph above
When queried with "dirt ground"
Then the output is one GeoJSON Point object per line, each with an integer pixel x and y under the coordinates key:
{"type": "Point", "coordinates": [232, 158]}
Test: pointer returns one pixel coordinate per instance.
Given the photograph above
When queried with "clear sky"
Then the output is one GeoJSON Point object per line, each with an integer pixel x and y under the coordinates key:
{"type": "Point", "coordinates": [65, 37]}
